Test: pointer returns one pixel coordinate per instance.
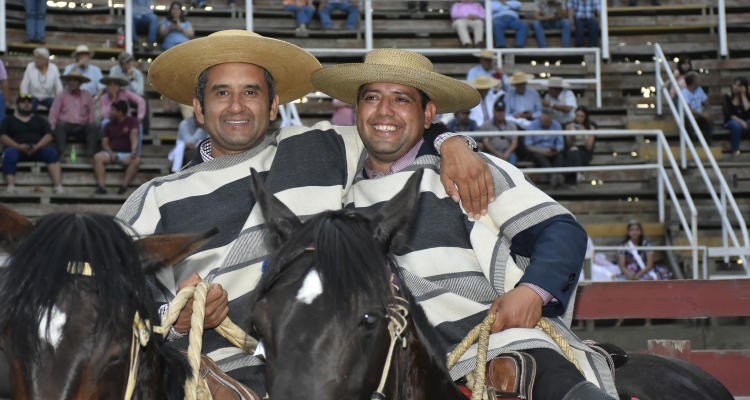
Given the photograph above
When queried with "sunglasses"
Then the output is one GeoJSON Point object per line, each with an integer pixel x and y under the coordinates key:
{"type": "Point", "coordinates": [25, 97]}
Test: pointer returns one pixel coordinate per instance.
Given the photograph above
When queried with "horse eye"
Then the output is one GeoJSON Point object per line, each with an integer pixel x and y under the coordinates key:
{"type": "Point", "coordinates": [371, 319]}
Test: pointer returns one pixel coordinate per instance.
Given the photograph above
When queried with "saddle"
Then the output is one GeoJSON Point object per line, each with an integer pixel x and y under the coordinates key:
{"type": "Point", "coordinates": [222, 386]}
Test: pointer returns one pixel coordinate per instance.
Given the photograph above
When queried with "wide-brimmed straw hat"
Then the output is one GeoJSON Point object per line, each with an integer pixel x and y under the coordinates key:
{"type": "Point", "coordinates": [483, 82]}
{"type": "Point", "coordinates": [175, 72]}
{"type": "Point", "coordinates": [396, 66]}
{"type": "Point", "coordinates": [486, 54]}
{"type": "Point", "coordinates": [75, 75]}
{"type": "Point", "coordinates": [82, 48]}
{"type": "Point", "coordinates": [114, 79]}
{"type": "Point", "coordinates": [557, 83]}
{"type": "Point", "coordinates": [520, 77]}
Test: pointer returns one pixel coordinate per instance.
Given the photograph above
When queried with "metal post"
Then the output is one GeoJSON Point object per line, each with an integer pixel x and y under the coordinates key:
{"type": "Point", "coordinates": [3, 44]}
{"type": "Point", "coordinates": [488, 29]}
{"type": "Point", "coordinates": [660, 177]}
{"type": "Point", "coordinates": [129, 26]}
{"type": "Point", "coordinates": [694, 222]}
{"type": "Point", "coordinates": [705, 263]}
{"type": "Point", "coordinates": [249, 15]}
{"type": "Point", "coordinates": [368, 25]}
{"type": "Point", "coordinates": [724, 234]}
{"type": "Point", "coordinates": [659, 84]}
{"type": "Point", "coordinates": [683, 132]}
{"type": "Point", "coordinates": [723, 51]}
{"type": "Point", "coordinates": [598, 71]}
{"type": "Point", "coordinates": [605, 30]}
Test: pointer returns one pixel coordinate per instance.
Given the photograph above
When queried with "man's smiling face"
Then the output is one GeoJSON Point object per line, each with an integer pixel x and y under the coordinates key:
{"type": "Point", "coordinates": [236, 110]}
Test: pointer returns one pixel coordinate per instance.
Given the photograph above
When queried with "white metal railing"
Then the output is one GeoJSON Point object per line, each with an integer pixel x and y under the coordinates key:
{"type": "Point", "coordinates": [604, 30]}
{"type": "Point", "coordinates": [723, 51]}
{"type": "Point", "coordinates": [3, 43]}
{"type": "Point", "coordinates": [682, 115]}
{"type": "Point", "coordinates": [690, 228]}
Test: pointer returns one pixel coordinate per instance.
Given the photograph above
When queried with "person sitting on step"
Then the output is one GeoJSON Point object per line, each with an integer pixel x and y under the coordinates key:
{"type": "Point", "coordinates": [120, 144]}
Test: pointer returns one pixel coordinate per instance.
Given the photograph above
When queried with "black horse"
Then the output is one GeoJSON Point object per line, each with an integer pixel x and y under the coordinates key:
{"type": "Point", "coordinates": [70, 294]}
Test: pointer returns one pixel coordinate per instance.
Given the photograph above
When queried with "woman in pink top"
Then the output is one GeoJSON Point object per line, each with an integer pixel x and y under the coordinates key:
{"type": "Point", "coordinates": [465, 15]}
{"type": "Point", "coordinates": [116, 92]}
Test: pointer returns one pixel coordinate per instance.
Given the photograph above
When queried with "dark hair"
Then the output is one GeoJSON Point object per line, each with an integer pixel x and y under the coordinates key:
{"type": "Point", "coordinates": [683, 60]}
{"type": "Point", "coordinates": [627, 235]}
{"type": "Point", "coordinates": [587, 121]}
{"type": "Point", "coordinates": [422, 96]}
{"type": "Point", "coordinates": [499, 104]}
{"type": "Point", "coordinates": [691, 78]}
{"type": "Point", "coordinates": [121, 106]}
{"type": "Point", "coordinates": [200, 89]}
{"type": "Point", "coordinates": [743, 81]}
{"type": "Point", "coordinates": [169, 12]}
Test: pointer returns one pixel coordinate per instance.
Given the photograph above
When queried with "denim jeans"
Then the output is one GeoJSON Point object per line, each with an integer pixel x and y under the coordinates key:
{"type": "Point", "coordinates": [592, 26]}
{"type": "Point", "coordinates": [351, 19]}
{"type": "Point", "coordinates": [500, 24]}
{"type": "Point", "coordinates": [146, 21]}
{"type": "Point", "coordinates": [2, 108]}
{"type": "Point", "coordinates": [45, 102]}
{"type": "Point", "coordinates": [736, 129]}
{"type": "Point", "coordinates": [11, 157]}
{"type": "Point", "coordinates": [36, 10]}
{"type": "Point", "coordinates": [304, 14]}
{"type": "Point", "coordinates": [562, 24]}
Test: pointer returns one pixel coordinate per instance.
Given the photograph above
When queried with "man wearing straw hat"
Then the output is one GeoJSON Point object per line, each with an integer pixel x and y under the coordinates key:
{"type": "Point", "coordinates": [72, 113]}
{"type": "Point", "coordinates": [521, 261]}
{"type": "Point", "coordinates": [236, 81]}
{"type": "Point", "coordinates": [522, 101]}
{"type": "Point", "coordinates": [486, 68]}
{"type": "Point", "coordinates": [84, 67]}
{"type": "Point", "coordinates": [488, 89]}
{"type": "Point", "coordinates": [561, 101]}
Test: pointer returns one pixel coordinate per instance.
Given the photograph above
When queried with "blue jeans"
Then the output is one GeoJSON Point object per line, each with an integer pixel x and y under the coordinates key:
{"type": "Point", "coordinates": [11, 157]}
{"type": "Point", "coordinates": [304, 14]}
{"type": "Point", "coordinates": [562, 24]}
{"type": "Point", "coordinates": [351, 19]}
{"type": "Point", "coordinates": [146, 21]}
{"type": "Point", "coordinates": [500, 24]}
{"type": "Point", "coordinates": [592, 26]}
{"type": "Point", "coordinates": [45, 102]}
{"type": "Point", "coordinates": [2, 108]}
{"type": "Point", "coordinates": [736, 129]}
{"type": "Point", "coordinates": [36, 10]}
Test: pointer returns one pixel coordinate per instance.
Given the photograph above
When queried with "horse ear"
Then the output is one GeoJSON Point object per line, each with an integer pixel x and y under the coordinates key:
{"type": "Point", "coordinates": [161, 251]}
{"type": "Point", "coordinates": [13, 226]}
{"type": "Point", "coordinates": [280, 220]}
{"type": "Point", "coordinates": [391, 224]}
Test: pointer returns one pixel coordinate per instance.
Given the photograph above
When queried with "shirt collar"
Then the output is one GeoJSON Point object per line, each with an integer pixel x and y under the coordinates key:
{"type": "Point", "coordinates": [205, 150]}
{"type": "Point", "coordinates": [403, 162]}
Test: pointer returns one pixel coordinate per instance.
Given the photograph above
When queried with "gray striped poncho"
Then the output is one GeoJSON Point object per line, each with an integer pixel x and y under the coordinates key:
{"type": "Point", "coordinates": [456, 267]}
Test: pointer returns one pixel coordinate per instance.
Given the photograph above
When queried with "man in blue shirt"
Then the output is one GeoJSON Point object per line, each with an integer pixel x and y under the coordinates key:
{"type": "Point", "coordinates": [523, 102]}
{"type": "Point", "coordinates": [584, 15]}
{"type": "Point", "coordinates": [546, 151]}
{"type": "Point", "coordinates": [486, 68]}
{"type": "Point", "coordinates": [83, 66]}
{"type": "Point", "coordinates": [505, 16]}
{"type": "Point", "coordinates": [696, 99]}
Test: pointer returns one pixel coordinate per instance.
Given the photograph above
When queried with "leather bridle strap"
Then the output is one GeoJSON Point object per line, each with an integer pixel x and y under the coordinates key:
{"type": "Point", "coordinates": [397, 323]}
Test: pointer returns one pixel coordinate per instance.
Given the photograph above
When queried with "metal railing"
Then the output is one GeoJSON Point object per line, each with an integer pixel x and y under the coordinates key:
{"type": "Point", "coordinates": [682, 115]}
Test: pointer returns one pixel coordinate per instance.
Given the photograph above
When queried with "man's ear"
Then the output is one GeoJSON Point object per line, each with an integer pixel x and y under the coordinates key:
{"type": "Point", "coordinates": [429, 114]}
{"type": "Point", "coordinates": [274, 108]}
{"type": "Point", "coordinates": [161, 251]}
{"type": "Point", "coordinates": [13, 226]}
{"type": "Point", "coordinates": [391, 223]}
{"type": "Point", "coordinates": [281, 222]}
{"type": "Point", "coordinates": [198, 110]}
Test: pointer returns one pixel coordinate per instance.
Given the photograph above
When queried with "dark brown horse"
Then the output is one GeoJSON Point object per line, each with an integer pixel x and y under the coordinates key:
{"type": "Point", "coordinates": [70, 294]}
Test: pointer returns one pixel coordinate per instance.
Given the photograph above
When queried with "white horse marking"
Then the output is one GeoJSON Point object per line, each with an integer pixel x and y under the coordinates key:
{"type": "Point", "coordinates": [311, 288]}
{"type": "Point", "coordinates": [56, 325]}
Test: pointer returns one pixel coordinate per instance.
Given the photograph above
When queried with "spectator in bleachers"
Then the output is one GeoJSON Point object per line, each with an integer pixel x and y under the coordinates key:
{"type": "Point", "coordinates": [546, 151]}
{"type": "Point", "coordinates": [120, 145]}
{"type": "Point", "coordinates": [684, 67]}
{"type": "Point", "coordinates": [36, 11]}
{"type": "Point", "coordinates": [489, 89]}
{"type": "Point", "coordinates": [326, 6]}
{"type": "Point", "coordinates": [84, 67]}
{"type": "Point", "coordinates": [737, 113]}
{"type": "Point", "coordinates": [25, 137]}
{"type": "Point", "coordinates": [486, 67]}
{"type": "Point", "coordinates": [579, 149]}
{"type": "Point", "coordinates": [634, 3]}
{"type": "Point", "coordinates": [523, 102]}
{"type": "Point", "coordinates": [175, 29]}
{"type": "Point", "coordinates": [72, 113]}
{"type": "Point", "coordinates": [697, 100]}
{"type": "Point", "coordinates": [635, 264]}
{"type": "Point", "coordinates": [463, 123]}
{"type": "Point", "coordinates": [144, 18]}
{"type": "Point", "coordinates": [503, 147]}
{"type": "Point", "coordinates": [584, 16]}
{"type": "Point", "coordinates": [343, 114]}
{"type": "Point", "coordinates": [4, 96]}
{"type": "Point", "coordinates": [551, 14]}
{"type": "Point", "coordinates": [115, 92]}
{"type": "Point", "coordinates": [423, 6]}
{"type": "Point", "coordinates": [303, 12]}
{"type": "Point", "coordinates": [127, 70]}
{"type": "Point", "coordinates": [41, 80]}
{"type": "Point", "coordinates": [505, 16]}
{"type": "Point", "coordinates": [465, 15]}
{"type": "Point", "coordinates": [561, 100]}
{"type": "Point", "coordinates": [189, 135]}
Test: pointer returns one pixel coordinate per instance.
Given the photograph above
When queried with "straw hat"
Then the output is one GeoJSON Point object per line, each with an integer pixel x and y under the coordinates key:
{"type": "Point", "coordinates": [486, 54]}
{"type": "Point", "coordinates": [520, 77]}
{"type": "Point", "coordinates": [557, 83]}
{"type": "Point", "coordinates": [124, 57]}
{"type": "Point", "coordinates": [110, 79]}
{"type": "Point", "coordinates": [175, 72]}
{"type": "Point", "coordinates": [75, 75]}
{"type": "Point", "coordinates": [483, 82]}
{"type": "Point", "coordinates": [396, 66]}
{"type": "Point", "coordinates": [82, 48]}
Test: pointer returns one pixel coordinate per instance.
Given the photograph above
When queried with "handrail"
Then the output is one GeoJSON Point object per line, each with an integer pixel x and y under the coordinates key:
{"type": "Point", "coordinates": [3, 43]}
{"type": "Point", "coordinates": [681, 112]}
{"type": "Point", "coordinates": [723, 51]}
{"type": "Point", "coordinates": [604, 29]}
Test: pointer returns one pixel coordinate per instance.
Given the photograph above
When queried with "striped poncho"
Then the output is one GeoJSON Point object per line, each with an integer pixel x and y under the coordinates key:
{"type": "Point", "coordinates": [456, 267]}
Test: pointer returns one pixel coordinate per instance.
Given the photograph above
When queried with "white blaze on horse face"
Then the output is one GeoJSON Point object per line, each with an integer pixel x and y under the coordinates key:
{"type": "Point", "coordinates": [311, 288]}
{"type": "Point", "coordinates": [56, 325]}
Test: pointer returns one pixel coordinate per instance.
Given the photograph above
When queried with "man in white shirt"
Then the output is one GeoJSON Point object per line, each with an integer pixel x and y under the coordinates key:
{"type": "Point", "coordinates": [560, 100]}
{"type": "Point", "coordinates": [486, 67]}
{"type": "Point", "coordinates": [489, 90]}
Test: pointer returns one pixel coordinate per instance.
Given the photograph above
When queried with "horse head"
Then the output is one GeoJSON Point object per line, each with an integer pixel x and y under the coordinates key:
{"type": "Point", "coordinates": [76, 304]}
{"type": "Point", "coordinates": [330, 298]}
